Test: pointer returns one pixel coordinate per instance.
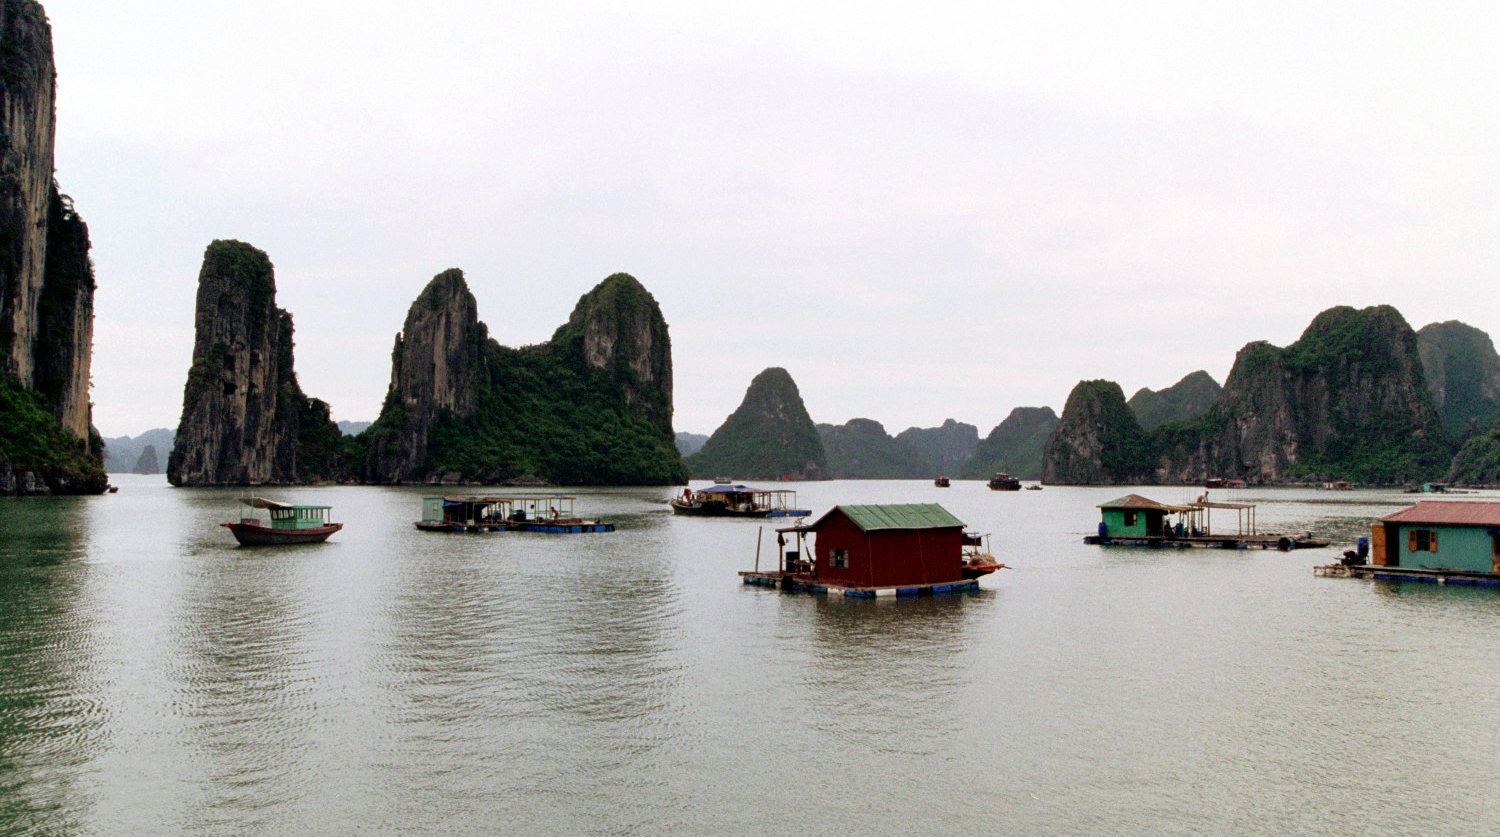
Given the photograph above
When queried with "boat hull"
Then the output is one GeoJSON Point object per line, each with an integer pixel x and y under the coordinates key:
{"type": "Point", "coordinates": [249, 534]}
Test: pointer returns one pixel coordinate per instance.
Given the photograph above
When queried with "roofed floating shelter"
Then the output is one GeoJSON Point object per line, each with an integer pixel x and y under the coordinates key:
{"type": "Point", "coordinates": [551, 513]}
{"type": "Point", "coordinates": [1434, 541]}
{"type": "Point", "coordinates": [1134, 520]}
{"type": "Point", "coordinates": [735, 500]}
{"type": "Point", "coordinates": [865, 551]}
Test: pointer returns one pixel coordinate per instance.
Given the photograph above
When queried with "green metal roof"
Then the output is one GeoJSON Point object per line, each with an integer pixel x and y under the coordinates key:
{"type": "Point", "coordinates": [913, 516]}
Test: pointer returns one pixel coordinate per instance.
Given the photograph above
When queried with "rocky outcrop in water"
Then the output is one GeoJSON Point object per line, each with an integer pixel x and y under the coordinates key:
{"type": "Point", "coordinates": [1015, 445]}
{"type": "Point", "coordinates": [769, 436]}
{"type": "Point", "coordinates": [1348, 400]}
{"type": "Point", "coordinates": [592, 406]}
{"type": "Point", "coordinates": [943, 450]}
{"type": "Point", "coordinates": [245, 419]}
{"type": "Point", "coordinates": [860, 449]}
{"type": "Point", "coordinates": [1463, 374]}
{"type": "Point", "coordinates": [147, 463]}
{"type": "Point", "coordinates": [46, 280]}
{"type": "Point", "coordinates": [1097, 441]}
{"type": "Point", "coordinates": [122, 452]}
{"type": "Point", "coordinates": [1192, 396]}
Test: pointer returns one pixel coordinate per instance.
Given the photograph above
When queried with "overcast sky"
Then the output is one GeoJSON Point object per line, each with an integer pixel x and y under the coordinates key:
{"type": "Point", "coordinates": [924, 211]}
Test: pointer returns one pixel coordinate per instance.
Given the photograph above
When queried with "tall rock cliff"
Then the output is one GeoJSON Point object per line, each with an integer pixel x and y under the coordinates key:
{"type": "Point", "coordinates": [1192, 396]}
{"type": "Point", "coordinates": [436, 368]}
{"type": "Point", "coordinates": [46, 281]}
{"type": "Point", "coordinates": [1014, 446]}
{"type": "Point", "coordinates": [769, 436]}
{"type": "Point", "coordinates": [1478, 461]}
{"type": "Point", "coordinates": [941, 451]}
{"type": "Point", "coordinates": [1463, 374]}
{"type": "Point", "coordinates": [1098, 441]}
{"type": "Point", "coordinates": [592, 406]}
{"type": "Point", "coordinates": [245, 420]}
{"type": "Point", "coordinates": [27, 90]}
{"type": "Point", "coordinates": [1348, 400]}
{"type": "Point", "coordinates": [860, 449]}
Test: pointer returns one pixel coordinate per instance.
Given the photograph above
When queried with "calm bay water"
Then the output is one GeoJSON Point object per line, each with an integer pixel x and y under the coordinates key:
{"type": "Point", "coordinates": [156, 679]}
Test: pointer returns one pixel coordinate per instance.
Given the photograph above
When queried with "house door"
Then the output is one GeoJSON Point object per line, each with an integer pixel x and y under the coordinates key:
{"type": "Point", "coordinates": [1495, 552]}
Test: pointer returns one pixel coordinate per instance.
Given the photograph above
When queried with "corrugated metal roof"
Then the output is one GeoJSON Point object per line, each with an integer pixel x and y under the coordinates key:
{"type": "Point", "coordinates": [1445, 511]}
{"type": "Point", "coordinates": [913, 516]}
{"type": "Point", "coordinates": [1135, 501]}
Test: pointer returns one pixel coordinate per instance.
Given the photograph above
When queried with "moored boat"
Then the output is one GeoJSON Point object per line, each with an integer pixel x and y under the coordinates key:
{"type": "Point", "coordinates": [288, 523]}
{"type": "Point", "coordinates": [738, 501]}
{"type": "Point", "coordinates": [1002, 481]}
{"type": "Point", "coordinates": [941, 482]}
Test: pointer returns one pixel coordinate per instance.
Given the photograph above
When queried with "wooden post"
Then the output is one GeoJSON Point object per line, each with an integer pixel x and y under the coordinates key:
{"type": "Point", "coordinates": [759, 530]}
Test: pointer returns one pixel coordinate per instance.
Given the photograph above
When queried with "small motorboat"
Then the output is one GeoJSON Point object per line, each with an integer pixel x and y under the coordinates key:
{"type": "Point", "coordinates": [941, 482]}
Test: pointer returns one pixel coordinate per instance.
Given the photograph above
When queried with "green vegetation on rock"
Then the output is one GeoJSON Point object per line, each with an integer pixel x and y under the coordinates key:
{"type": "Point", "coordinates": [1463, 373]}
{"type": "Point", "coordinates": [1194, 395]}
{"type": "Point", "coordinates": [593, 406]}
{"type": "Point", "coordinates": [861, 450]}
{"type": "Point", "coordinates": [32, 441]}
{"type": "Point", "coordinates": [1015, 445]}
{"type": "Point", "coordinates": [769, 436]}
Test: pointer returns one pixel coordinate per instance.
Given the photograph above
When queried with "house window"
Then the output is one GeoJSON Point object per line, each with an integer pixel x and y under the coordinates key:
{"type": "Point", "coordinates": [1421, 540]}
{"type": "Point", "coordinates": [839, 559]}
{"type": "Point", "coordinates": [1131, 518]}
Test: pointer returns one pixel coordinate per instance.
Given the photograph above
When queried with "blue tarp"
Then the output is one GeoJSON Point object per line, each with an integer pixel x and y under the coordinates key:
{"type": "Point", "coordinates": [726, 489]}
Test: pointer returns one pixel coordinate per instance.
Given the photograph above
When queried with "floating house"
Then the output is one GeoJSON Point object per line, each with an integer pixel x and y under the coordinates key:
{"type": "Point", "coordinates": [1435, 535]}
{"type": "Point", "coordinates": [735, 500]}
{"type": "Point", "coordinates": [877, 550]}
{"type": "Point", "coordinates": [521, 513]}
{"type": "Point", "coordinates": [1134, 520]}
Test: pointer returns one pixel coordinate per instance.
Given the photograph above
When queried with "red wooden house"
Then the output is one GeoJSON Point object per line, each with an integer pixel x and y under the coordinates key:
{"type": "Point", "coordinates": [884, 546]}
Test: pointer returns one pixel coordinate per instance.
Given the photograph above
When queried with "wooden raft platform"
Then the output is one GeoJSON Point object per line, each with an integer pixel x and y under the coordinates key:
{"type": "Point", "coordinates": [1285, 543]}
{"type": "Point", "coordinates": [1374, 572]}
{"type": "Point", "coordinates": [802, 584]}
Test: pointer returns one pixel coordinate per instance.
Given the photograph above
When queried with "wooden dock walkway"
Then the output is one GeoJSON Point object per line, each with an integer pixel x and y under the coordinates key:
{"type": "Point", "coordinates": [1285, 543]}
{"type": "Point", "coordinates": [1374, 572]}
{"type": "Point", "coordinates": [798, 583]}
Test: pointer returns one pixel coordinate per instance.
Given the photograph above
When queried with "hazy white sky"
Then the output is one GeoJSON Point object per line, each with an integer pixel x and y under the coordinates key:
{"type": "Point", "coordinates": [924, 211]}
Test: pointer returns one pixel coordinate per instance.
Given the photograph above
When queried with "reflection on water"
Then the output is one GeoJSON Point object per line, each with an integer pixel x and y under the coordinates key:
{"type": "Point", "coordinates": [157, 679]}
{"type": "Point", "coordinates": [49, 725]}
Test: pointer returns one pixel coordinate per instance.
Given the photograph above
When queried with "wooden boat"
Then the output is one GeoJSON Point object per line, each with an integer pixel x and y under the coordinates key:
{"type": "Point", "coordinates": [1002, 481]}
{"type": "Point", "coordinates": [1033, 488]}
{"type": "Point", "coordinates": [738, 501]}
{"type": "Point", "coordinates": [289, 524]}
{"type": "Point", "coordinates": [977, 560]}
{"type": "Point", "coordinates": [941, 482]}
{"type": "Point", "coordinates": [551, 513]}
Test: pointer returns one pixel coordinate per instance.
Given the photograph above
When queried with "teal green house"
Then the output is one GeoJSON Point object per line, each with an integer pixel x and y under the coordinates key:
{"type": "Point", "coordinates": [1134, 516]}
{"type": "Point", "coordinates": [1439, 535]}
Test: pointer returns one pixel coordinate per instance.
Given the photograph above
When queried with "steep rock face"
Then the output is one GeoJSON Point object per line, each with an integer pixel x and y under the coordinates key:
{"type": "Point", "coordinates": [1097, 441]}
{"type": "Point", "coordinates": [1463, 374]}
{"type": "Point", "coordinates": [618, 329]}
{"type": "Point", "coordinates": [941, 450]}
{"type": "Point", "coordinates": [769, 436]}
{"type": "Point", "coordinates": [436, 366]}
{"type": "Point", "coordinates": [147, 463]}
{"type": "Point", "coordinates": [27, 85]}
{"type": "Point", "coordinates": [1014, 446]}
{"type": "Point", "coordinates": [861, 449]}
{"type": "Point", "coordinates": [46, 279]}
{"type": "Point", "coordinates": [245, 420]}
{"type": "Point", "coordinates": [1347, 400]}
{"type": "Point", "coordinates": [1478, 461]}
{"type": "Point", "coordinates": [65, 317]}
{"type": "Point", "coordinates": [1192, 396]}
{"type": "Point", "coordinates": [689, 443]}
{"type": "Point", "coordinates": [593, 406]}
